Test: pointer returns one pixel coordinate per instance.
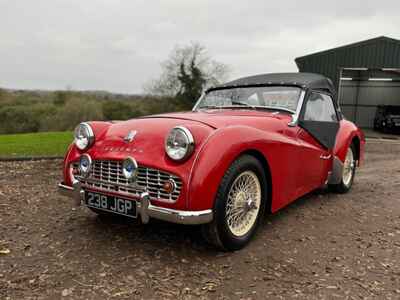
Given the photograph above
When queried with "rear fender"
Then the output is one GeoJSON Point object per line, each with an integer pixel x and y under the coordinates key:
{"type": "Point", "coordinates": [347, 133]}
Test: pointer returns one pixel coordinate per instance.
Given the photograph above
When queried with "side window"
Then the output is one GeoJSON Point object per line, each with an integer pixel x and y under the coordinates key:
{"type": "Point", "coordinates": [319, 107]}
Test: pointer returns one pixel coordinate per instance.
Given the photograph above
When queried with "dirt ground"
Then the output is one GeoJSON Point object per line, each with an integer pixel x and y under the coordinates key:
{"type": "Point", "coordinates": [323, 246]}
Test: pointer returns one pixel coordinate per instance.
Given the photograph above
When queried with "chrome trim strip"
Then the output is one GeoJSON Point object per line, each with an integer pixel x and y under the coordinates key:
{"type": "Point", "coordinates": [97, 181]}
{"type": "Point", "coordinates": [296, 115]}
{"type": "Point", "coordinates": [75, 192]}
{"type": "Point", "coordinates": [65, 190]}
{"type": "Point", "coordinates": [146, 210]}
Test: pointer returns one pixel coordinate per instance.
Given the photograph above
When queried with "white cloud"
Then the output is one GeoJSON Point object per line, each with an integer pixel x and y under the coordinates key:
{"type": "Point", "coordinates": [117, 45]}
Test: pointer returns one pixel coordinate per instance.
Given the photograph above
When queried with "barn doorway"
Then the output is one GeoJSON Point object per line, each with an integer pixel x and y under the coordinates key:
{"type": "Point", "coordinates": [362, 90]}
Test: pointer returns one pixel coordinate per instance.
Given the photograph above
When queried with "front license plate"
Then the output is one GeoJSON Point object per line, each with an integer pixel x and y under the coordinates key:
{"type": "Point", "coordinates": [111, 204]}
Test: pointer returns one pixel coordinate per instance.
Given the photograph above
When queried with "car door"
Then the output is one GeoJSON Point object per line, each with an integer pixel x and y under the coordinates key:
{"type": "Point", "coordinates": [319, 125]}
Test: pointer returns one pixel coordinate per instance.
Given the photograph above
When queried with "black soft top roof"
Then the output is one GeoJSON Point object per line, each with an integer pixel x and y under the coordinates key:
{"type": "Point", "coordinates": [304, 80]}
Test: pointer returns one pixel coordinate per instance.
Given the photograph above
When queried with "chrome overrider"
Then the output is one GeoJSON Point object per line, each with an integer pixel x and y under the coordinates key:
{"type": "Point", "coordinates": [146, 210]}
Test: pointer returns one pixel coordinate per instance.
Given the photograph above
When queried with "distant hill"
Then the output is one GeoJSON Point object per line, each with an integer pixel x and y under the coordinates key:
{"type": "Point", "coordinates": [23, 111]}
{"type": "Point", "coordinates": [94, 93]}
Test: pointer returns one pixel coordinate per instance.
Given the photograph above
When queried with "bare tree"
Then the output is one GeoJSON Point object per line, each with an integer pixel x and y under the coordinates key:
{"type": "Point", "coordinates": [186, 73]}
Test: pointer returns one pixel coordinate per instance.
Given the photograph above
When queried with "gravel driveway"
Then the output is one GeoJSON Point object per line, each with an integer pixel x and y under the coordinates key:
{"type": "Point", "coordinates": [323, 246]}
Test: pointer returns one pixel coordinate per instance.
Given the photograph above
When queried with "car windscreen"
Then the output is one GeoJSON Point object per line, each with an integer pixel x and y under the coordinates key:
{"type": "Point", "coordinates": [271, 97]}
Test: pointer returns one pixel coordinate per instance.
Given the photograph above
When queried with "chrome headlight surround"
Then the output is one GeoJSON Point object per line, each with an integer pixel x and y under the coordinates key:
{"type": "Point", "coordinates": [130, 168]}
{"type": "Point", "coordinates": [85, 165]}
{"type": "Point", "coordinates": [83, 136]}
{"type": "Point", "coordinates": [179, 144]}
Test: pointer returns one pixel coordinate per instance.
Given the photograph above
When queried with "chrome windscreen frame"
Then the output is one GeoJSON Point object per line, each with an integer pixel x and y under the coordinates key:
{"type": "Point", "coordinates": [296, 115]}
{"type": "Point", "coordinates": [198, 101]}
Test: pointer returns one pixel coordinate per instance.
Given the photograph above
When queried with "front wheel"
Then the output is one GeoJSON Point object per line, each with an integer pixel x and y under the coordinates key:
{"type": "Point", "coordinates": [349, 170]}
{"type": "Point", "coordinates": [239, 205]}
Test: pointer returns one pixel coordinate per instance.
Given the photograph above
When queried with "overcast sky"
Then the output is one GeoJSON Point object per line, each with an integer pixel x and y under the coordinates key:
{"type": "Point", "coordinates": [117, 45]}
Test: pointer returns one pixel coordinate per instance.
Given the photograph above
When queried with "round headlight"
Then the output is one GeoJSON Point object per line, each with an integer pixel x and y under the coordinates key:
{"type": "Point", "coordinates": [84, 136]}
{"type": "Point", "coordinates": [130, 168]}
{"type": "Point", "coordinates": [179, 143]}
{"type": "Point", "coordinates": [85, 165]}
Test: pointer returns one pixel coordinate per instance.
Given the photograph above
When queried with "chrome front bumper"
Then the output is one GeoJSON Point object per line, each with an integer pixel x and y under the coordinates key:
{"type": "Point", "coordinates": [145, 209]}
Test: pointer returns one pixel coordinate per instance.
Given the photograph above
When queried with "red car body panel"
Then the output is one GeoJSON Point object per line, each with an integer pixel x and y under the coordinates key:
{"type": "Point", "coordinates": [292, 155]}
{"type": "Point", "coordinates": [347, 132]}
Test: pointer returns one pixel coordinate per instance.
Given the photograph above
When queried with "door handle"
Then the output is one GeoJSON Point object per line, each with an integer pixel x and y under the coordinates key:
{"type": "Point", "coordinates": [325, 157]}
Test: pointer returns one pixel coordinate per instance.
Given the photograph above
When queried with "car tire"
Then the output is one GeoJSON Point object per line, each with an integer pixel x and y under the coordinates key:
{"type": "Point", "coordinates": [236, 215]}
{"type": "Point", "coordinates": [349, 171]}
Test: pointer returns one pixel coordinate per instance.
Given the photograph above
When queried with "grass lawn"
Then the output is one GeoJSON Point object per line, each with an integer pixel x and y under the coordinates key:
{"type": "Point", "coordinates": [35, 144]}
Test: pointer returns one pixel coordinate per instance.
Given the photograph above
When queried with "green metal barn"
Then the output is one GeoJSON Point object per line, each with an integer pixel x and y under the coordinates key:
{"type": "Point", "coordinates": [366, 74]}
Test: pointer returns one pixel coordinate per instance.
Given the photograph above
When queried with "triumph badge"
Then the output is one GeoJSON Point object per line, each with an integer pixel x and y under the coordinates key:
{"type": "Point", "coordinates": [130, 136]}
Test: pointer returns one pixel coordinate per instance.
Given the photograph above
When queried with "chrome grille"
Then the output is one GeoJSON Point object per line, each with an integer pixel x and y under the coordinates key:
{"type": "Point", "coordinates": [107, 175]}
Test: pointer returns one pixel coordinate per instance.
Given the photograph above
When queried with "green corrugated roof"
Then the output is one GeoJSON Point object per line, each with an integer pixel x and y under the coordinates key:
{"type": "Point", "coordinates": [376, 53]}
{"type": "Point", "coordinates": [349, 46]}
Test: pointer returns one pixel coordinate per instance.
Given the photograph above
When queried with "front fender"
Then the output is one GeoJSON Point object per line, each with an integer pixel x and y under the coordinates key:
{"type": "Point", "coordinates": [222, 148]}
{"type": "Point", "coordinates": [99, 129]}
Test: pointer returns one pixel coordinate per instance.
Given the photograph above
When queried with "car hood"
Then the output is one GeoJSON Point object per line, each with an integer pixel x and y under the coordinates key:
{"type": "Point", "coordinates": [154, 129]}
{"type": "Point", "coordinates": [147, 145]}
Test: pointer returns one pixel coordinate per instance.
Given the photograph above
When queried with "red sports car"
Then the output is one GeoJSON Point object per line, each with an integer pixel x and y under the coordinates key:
{"type": "Point", "coordinates": [248, 147]}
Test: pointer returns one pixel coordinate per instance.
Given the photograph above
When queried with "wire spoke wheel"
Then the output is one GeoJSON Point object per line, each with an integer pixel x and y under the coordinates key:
{"type": "Point", "coordinates": [239, 204]}
{"type": "Point", "coordinates": [243, 203]}
{"type": "Point", "coordinates": [348, 168]}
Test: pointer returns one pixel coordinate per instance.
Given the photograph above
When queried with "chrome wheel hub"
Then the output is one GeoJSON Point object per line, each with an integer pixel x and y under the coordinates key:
{"type": "Point", "coordinates": [243, 203]}
{"type": "Point", "coordinates": [348, 168]}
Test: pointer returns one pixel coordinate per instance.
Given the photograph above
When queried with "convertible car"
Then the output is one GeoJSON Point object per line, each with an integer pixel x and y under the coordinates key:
{"type": "Point", "coordinates": [248, 147]}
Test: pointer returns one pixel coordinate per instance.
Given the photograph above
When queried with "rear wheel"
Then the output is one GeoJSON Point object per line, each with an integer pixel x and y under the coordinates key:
{"type": "Point", "coordinates": [349, 170]}
{"type": "Point", "coordinates": [239, 205]}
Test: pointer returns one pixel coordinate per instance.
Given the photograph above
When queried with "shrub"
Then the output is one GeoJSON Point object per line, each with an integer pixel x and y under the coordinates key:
{"type": "Point", "coordinates": [75, 111]}
{"type": "Point", "coordinates": [17, 119]}
{"type": "Point", "coordinates": [116, 110]}
{"type": "Point", "coordinates": [27, 111]}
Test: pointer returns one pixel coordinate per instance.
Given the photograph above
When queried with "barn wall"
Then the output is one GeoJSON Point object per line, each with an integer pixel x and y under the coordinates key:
{"type": "Point", "coordinates": [359, 99]}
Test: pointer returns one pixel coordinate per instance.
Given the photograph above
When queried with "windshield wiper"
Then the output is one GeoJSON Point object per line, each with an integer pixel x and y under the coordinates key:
{"type": "Point", "coordinates": [284, 109]}
{"type": "Point", "coordinates": [242, 103]}
{"type": "Point", "coordinates": [210, 106]}
{"type": "Point", "coordinates": [238, 104]}
{"type": "Point", "coordinates": [235, 105]}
